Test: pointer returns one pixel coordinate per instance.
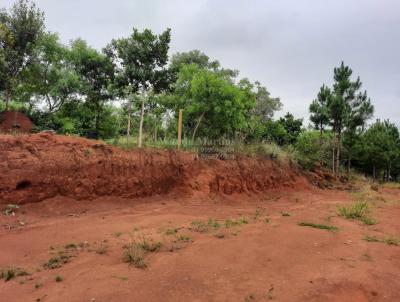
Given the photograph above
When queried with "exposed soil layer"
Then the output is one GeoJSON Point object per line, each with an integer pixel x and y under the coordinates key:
{"type": "Point", "coordinates": [236, 230]}
{"type": "Point", "coordinates": [40, 166]}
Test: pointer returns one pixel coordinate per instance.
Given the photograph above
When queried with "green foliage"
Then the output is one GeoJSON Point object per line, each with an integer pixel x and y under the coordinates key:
{"type": "Point", "coordinates": [309, 150]}
{"type": "Point", "coordinates": [20, 29]}
{"type": "Point", "coordinates": [292, 127]}
{"type": "Point", "coordinates": [208, 99]}
{"type": "Point", "coordinates": [379, 148]}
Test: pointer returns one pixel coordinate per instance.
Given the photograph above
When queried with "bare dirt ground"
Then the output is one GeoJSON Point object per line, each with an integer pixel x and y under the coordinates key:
{"type": "Point", "coordinates": [243, 246]}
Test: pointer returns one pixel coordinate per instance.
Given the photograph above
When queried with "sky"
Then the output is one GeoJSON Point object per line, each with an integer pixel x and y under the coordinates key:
{"type": "Point", "coordinates": [290, 46]}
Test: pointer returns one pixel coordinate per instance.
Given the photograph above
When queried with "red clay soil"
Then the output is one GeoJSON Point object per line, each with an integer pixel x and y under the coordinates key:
{"type": "Point", "coordinates": [78, 204]}
{"type": "Point", "coordinates": [41, 166]}
{"type": "Point", "coordinates": [16, 122]}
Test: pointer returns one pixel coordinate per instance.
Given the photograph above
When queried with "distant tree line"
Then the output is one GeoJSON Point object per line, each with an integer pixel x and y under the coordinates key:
{"type": "Point", "coordinates": [134, 88]}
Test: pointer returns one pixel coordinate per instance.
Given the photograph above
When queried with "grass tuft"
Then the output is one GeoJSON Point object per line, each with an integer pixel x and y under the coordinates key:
{"type": "Point", "coordinates": [59, 279]}
{"type": "Point", "coordinates": [10, 273]}
{"type": "Point", "coordinates": [388, 240]}
{"type": "Point", "coordinates": [134, 255]}
{"type": "Point", "coordinates": [357, 211]}
{"type": "Point", "coordinates": [319, 226]}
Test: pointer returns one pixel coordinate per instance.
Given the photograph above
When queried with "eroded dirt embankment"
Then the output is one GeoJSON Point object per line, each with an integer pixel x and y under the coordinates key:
{"type": "Point", "coordinates": [40, 166]}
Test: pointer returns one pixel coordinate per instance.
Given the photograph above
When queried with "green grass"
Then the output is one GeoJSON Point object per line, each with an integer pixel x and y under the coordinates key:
{"type": "Point", "coordinates": [319, 226]}
{"type": "Point", "coordinates": [135, 252]}
{"type": "Point", "coordinates": [10, 273]}
{"type": "Point", "coordinates": [57, 261]}
{"type": "Point", "coordinates": [357, 211]}
{"type": "Point", "coordinates": [388, 240]}
{"type": "Point", "coordinates": [199, 226]}
{"type": "Point", "coordinates": [183, 238]}
{"type": "Point", "coordinates": [238, 222]}
{"type": "Point", "coordinates": [134, 255]}
{"type": "Point", "coordinates": [171, 231]}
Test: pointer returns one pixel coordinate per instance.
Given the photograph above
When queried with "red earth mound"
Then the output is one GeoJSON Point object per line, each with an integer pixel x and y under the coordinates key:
{"type": "Point", "coordinates": [40, 166]}
{"type": "Point", "coordinates": [14, 121]}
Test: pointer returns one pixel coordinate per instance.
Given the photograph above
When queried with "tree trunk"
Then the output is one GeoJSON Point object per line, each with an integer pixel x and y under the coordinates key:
{"type": "Point", "coordinates": [321, 143]}
{"type": "Point", "coordinates": [374, 172]}
{"type": "Point", "coordinates": [349, 164]}
{"type": "Point", "coordinates": [128, 129]}
{"type": "Point", "coordinates": [155, 132]}
{"type": "Point", "coordinates": [141, 124]}
{"type": "Point", "coordinates": [7, 98]}
{"type": "Point", "coordinates": [197, 125]}
{"type": "Point", "coordinates": [338, 141]}
{"type": "Point", "coordinates": [333, 154]}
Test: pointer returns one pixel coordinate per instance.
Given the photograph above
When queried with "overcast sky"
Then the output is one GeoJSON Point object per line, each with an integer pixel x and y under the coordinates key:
{"type": "Point", "coordinates": [290, 46]}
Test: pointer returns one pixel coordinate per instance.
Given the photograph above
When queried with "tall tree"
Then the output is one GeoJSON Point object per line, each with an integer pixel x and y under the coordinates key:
{"type": "Point", "coordinates": [346, 106]}
{"type": "Point", "coordinates": [212, 103]}
{"type": "Point", "coordinates": [360, 111]}
{"type": "Point", "coordinates": [379, 147]}
{"type": "Point", "coordinates": [50, 79]}
{"type": "Point", "coordinates": [96, 73]}
{"type": "Point", "coordinates": [20, 29]}
{"type": "Point", "coordinates": [320, 115]}
{"type": "Point", "coordinates": [140, 62]}
{"type": "Point", "coordinates": [266, 105]}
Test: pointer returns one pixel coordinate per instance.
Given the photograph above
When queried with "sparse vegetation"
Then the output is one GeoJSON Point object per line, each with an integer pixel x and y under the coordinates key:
{"type": "Point", "coordinates": [101, 249]}
{"type": "Point", "coordinates": [59, 279]}
{"type": "Point", "coordinates": [134, 255]}
{"type": "Point", "coordinates": [285, 214]}
{"type": "Point", "coordinates": [9, 273]}
{"type": "Point", "coordinates": [171, 231]}
{"type": "Point", "coordinates": [10, 209]}
{"type": "Point", "coordinates": [231, 222]}
{"type": "Point", "coordinates": [135, 252]}
{"type": "Point", "coordinates": [183, 238]}
{"type": "Point", "coordinates": [357, 211]}
{"type": "Point", "coordinates": [57, 261]}
{"type": "Point", "coordinates": [319, 226]}
{"type": "Point", "coordinates": [388, 240]}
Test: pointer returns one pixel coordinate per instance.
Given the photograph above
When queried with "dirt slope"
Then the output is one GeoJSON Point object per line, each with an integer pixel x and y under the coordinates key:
{"type": "Point", "coordinates": [40, 166]}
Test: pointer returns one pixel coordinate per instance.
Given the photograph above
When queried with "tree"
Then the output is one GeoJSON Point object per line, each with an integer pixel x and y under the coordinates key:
{"type": "Point", "coordinates": [196, 57]}
{"type": "Point", "coordinates": [319, 115]}
{"type": "Point", "coordinates": [212, 103]}
{"type": "Point", "coordinates": [379, 147]}
{"type": "Point", "coordinates": [96, 73]}
{"type": "Point", "coordinates": [360, 111]}
{"type": "Point", "coordinates": [265, 104]}
{"type": "Point", "coordinates": [346, 109]}
{"type": "Point", "coordinates": [50, 79]}
{"type": "Point", "coordinates": [308, 149]}
{"type": "Point", "coordinates": [20, 30]}
{"type": "Point", "coordinates": [292, 127]}
{"type": "Point", "coordinates": [140, 62]}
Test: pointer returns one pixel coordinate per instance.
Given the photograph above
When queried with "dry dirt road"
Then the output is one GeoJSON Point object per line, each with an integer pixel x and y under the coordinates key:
{"type": "Point", "coordinates": [237, 248]}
